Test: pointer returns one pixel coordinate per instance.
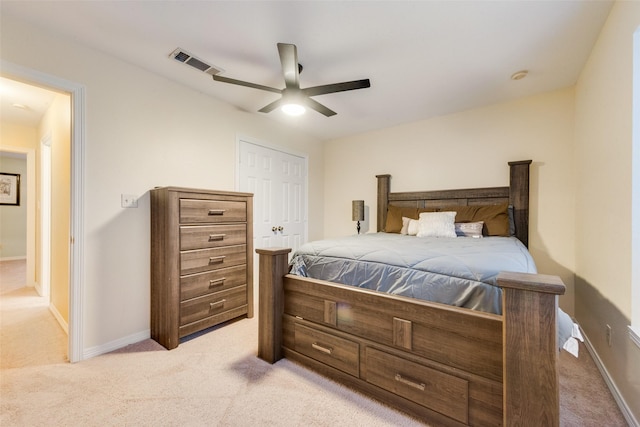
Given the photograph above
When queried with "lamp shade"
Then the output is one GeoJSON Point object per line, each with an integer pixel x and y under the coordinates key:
{"type": "Point", "coordinates": [357, 210]}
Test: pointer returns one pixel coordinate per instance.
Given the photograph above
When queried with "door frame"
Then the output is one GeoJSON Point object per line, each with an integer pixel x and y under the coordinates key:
{"type": "Point", "coordinates": [76, 255]}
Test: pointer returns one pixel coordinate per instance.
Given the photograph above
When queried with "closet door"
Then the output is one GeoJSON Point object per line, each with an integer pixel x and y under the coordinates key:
{"type": "Point", "coordinates": [278, 181]}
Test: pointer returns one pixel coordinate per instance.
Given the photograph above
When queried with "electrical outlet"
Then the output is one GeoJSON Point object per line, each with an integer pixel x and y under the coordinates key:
{"type": "Point", "coordinates": [128, 201]}
{"type": "Point", "coordinates": [609, 335]}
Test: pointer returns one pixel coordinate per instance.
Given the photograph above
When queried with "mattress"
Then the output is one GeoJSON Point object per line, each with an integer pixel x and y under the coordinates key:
{"type": "Point", "coordinates": [455, 271]}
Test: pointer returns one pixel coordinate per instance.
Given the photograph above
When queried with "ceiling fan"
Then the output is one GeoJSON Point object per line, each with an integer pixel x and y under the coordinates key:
{"type": "Point", "coordinates": [294, 97]}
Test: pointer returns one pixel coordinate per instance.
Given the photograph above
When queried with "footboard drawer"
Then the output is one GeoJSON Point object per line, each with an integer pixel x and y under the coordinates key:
{"type": "Point", "coordinates": [443, 393]}
{"type": "Point", "coordinates": [334, 351]}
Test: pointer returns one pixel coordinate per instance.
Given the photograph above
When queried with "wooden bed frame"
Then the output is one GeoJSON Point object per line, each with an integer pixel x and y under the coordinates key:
{"type": "Point", "coordinates": [442, 364]}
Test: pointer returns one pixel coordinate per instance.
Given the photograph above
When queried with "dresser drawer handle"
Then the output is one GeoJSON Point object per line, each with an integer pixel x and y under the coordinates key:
{"type": "Point", "coordinates": [213, 305]}
{"type": "Point", "coordinates": [214, 237]}
{"type": "Point", "coordinates": [216, 282]}
{"type": "Point", "coordinates": [213, 212]}
{"type": "Point", "coordinates": [216, 259]}
{"type": "Point", "coordinates": [410, 383]}
{"type": "Point", "coordinates": [326, 350]}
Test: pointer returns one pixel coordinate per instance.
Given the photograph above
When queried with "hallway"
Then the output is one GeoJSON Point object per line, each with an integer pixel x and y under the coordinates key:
{"type": "Point", "coordinates": [29, 333]}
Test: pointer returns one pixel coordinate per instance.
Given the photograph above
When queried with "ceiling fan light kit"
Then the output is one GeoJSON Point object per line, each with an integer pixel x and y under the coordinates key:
{"type": "Point", "coordinates": [293, 109]}
{"type": "Point", "coordinates": [294, 99]}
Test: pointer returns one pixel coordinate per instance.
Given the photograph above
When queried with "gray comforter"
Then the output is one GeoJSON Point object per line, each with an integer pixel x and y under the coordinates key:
{"type": "Point", "coordinates": [460, 272]}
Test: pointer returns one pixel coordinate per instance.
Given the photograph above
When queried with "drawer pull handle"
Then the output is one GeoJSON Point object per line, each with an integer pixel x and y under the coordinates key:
{"type": "Point", "coordinates": [214, 237]}
{"type": "Point", "coordinates": [410, 383]}
{"type": "Point", "coordinates": [216, 259]}
{"type": "Point", "coordinates": [326, 350]}
{"type": "Point", "coordinates": [213, 212]}
{"type": "Point", "coordinates": [216, 282]}
{"type": "Point", "coordinates": [213, 305]}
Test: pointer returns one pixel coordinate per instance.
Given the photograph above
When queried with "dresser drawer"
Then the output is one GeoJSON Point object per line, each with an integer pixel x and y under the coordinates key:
{"type": "Point", "coordinates": [211, 259]}
{"type": "Point", "coordinates": [209, 305]}
{"type": "Point", "coordinates": [334, 351]}
{"type": "Point", "coordinates": [195, 285]}
{"type": "Point", "coordinates": [428, 387]}
{"type": "Point", "coordinates": [211, 236]}
{"type": "Point", "coordinates": [192, 210]}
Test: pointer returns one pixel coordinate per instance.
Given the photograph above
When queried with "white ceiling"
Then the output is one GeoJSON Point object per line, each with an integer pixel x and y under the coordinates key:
{"type": "Point", "coordinates": [22, 103]}
{"type": "Point", "coordinates": [424, 58]}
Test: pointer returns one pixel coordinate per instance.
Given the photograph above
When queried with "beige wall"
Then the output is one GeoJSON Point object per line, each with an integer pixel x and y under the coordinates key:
{"type": "Point", "coordinates": [19, 136]}
{"type": "Point", "coordinates": [603, 198]}
{"type": "Point", "coordinates": [143, 131]}
{"type": "Point", "coordinates": [57, 124]}
{"type": "Point", "coordinates": [469, 149]}
{"type": "Point", "coordinates": [13, 219]}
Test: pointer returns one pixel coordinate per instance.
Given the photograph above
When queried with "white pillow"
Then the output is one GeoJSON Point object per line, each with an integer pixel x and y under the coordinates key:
{"type": "Point", "coordinates": [437, 224]}
{"type": "Point", "coordinates": [409, 226]}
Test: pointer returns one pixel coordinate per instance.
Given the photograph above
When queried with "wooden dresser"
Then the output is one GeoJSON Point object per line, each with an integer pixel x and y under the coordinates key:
{"type": "Point", "coordinates": [201, 260]}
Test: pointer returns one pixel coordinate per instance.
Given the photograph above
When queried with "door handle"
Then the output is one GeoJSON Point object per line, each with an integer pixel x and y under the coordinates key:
{"type": "Point", "coordinates": [279, 228]}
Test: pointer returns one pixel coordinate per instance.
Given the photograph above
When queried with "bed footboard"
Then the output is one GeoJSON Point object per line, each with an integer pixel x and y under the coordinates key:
{"type": "Point", "coordinates": [514, 381]}
{"type": "Point", "coordinates": [530, 347]}
{"type": "Point", "coordinates": [273, 265]}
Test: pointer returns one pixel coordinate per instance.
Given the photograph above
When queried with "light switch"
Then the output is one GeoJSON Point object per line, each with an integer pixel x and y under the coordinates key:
{"type": "Point", "coordinates": [129, 201]}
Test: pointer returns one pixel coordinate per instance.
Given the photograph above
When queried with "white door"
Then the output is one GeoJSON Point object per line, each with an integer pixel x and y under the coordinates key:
{"type": "Point", "coordinates": [278, 182]}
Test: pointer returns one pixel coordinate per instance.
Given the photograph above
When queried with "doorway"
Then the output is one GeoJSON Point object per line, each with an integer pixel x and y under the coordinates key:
{"type": "Point", "coordinates": [75, 237]}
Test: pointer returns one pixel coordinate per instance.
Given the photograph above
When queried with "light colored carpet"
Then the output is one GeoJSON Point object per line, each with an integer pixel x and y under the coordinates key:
{"type": "Point", "coordinates": [214, 379]}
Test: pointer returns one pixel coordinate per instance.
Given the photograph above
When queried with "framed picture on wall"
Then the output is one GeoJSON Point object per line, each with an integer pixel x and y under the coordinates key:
{"type": "Point", "coordinates": [10, 189]}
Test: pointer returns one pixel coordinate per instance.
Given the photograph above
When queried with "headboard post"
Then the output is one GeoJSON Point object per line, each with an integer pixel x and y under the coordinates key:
{"type": "Point", "coordinates": [383, 200]}
{"type": "Point", "coordinates": [519, 198]}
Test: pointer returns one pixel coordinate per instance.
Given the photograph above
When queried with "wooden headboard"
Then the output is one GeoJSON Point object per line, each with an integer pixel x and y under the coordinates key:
{"type": "Point", "coordinates": [517, 194]}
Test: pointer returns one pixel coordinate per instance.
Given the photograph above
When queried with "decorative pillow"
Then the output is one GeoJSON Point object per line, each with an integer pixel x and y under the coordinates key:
{"type": "Point", "coordinates": [495, 217]}
{"type": "Point", "coordinates": [394, 217]}
{"type": "Point", "coordinates": [469, 229]}
{"type": "Point", "coordinates": [437, 224]}
{"type": "Point", "coordinates": [405, 225]}
{"type": "Point", "coordinates": [464, 213]}
{"type": "Point", "coordinates": [409, 226]}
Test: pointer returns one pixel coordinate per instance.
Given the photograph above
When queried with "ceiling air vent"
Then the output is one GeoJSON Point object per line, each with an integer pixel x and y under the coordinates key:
{"type": "Point", "coordinates": [185, 57]}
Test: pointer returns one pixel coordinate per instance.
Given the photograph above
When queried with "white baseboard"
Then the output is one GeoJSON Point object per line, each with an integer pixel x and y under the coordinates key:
{"type": "Point", "coordinates": [59, 318]}
{"type": "Point", "coordinates": [114, 345]}
{"type": "Point", "coordinates": [622, 404]}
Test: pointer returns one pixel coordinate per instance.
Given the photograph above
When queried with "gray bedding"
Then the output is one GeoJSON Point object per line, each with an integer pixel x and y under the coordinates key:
{"type": "Point", "coordinates": [460, 272]}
